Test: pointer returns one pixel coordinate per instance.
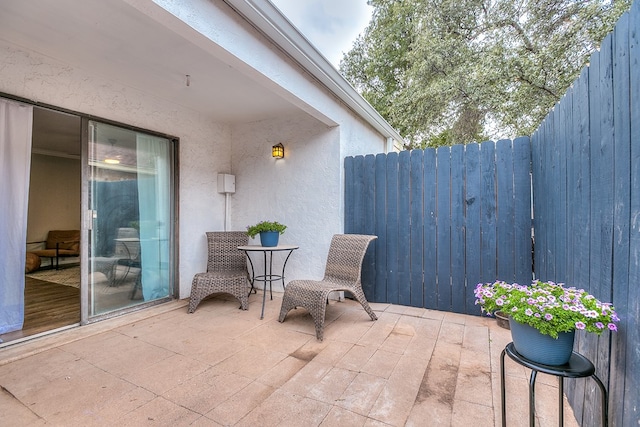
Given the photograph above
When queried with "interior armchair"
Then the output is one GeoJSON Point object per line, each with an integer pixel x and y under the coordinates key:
{"type": "Point", "coordinates": [59, 243]}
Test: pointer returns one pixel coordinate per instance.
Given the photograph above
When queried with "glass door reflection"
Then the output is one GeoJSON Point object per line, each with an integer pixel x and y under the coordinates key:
{"type": "Point", "coordinates": [130, 197]}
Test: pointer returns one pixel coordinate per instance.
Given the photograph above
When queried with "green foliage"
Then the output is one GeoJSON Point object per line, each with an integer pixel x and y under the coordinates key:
{"type": "Point", "coordinates": [253, 230]}
{"type": "Point", "coordinates": [452, 70]}
{"type": "Point", "coordinates": [447, 138]}
{"type": "Point", "coordinates": [548, 307]}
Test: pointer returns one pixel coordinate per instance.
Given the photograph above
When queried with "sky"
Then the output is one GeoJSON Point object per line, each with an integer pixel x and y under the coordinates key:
{"type": "Point", "coordinates": [330, 25]}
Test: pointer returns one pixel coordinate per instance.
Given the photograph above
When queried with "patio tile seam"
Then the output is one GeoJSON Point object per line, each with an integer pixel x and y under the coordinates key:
{"type": "Point", "coordinates": [13, 397]}
{"type": "Point", "coordinates": [22, 350]}
{"type": "Point", "coordinates": [336, 405]}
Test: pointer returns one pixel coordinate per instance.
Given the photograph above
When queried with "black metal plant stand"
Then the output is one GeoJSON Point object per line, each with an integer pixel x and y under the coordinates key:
{"type": "Point", "coordinates": [577, 367]}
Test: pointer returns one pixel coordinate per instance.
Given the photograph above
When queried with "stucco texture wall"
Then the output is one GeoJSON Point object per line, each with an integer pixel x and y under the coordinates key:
{"type": "Point", "coordinates": [302, 190]}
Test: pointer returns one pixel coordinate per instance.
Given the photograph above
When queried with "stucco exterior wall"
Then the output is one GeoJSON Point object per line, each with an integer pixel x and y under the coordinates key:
{"type": "Point", "coordinates": [203, 149]}
{"type": "Point", "coordinates": [304, 191]}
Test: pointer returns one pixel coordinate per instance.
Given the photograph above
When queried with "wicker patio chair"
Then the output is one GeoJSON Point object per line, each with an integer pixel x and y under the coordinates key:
{"type": "Point", "coordinates": [342, 273]}
{"type": "Point", "coordinates": [226, 269]}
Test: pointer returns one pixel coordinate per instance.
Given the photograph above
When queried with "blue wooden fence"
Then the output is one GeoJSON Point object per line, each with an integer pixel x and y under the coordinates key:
{"type": "Point", "coordinates": [452, 217]}
{"type": "Point", "coordinates": [586, 186]}
{"type": "Point", "coordinates": [446, 219]}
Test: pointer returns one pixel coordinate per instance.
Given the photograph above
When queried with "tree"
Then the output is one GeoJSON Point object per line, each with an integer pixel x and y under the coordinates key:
{"type": "Point", "coordinates": [457, 71]}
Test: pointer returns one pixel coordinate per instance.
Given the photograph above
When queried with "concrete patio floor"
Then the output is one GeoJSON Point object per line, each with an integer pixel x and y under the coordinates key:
{"type": "Point", "coordinates": [221, 366]}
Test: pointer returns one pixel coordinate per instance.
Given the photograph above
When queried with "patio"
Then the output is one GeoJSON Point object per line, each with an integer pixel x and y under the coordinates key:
{"type": "Point", "coordinates": [224, 366]}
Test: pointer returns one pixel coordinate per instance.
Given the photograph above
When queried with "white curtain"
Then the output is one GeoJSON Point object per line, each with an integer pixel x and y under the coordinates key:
{"type": "Point", "coordinates": [154, 199]}
{"type": "Point", "coordinates": [16, 122]}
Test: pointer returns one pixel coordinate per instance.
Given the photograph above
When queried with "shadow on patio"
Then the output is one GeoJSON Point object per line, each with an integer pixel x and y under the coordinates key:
{"type": "Point", "coordinates": [224, 366]}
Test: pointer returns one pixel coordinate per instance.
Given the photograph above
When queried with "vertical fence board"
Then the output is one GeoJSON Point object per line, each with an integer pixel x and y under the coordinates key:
{"type": "Point", "coordinates": [537, 147]}
{"type": "Point", "coordinates": [581, 210]}
{"type": "Point", "coordinates": [570, 182]}
{"type": "Point", "coordinates": [349, 194]}
{"type": "Point", "coordinates": [542, 229]}
{"type": "Point", "coordinates": [596, 170]}
{"type": "Point", "coordinates": [458, 284]}
{"type": "Point", "coordinates": [560, 176]}
{"type": "Point", "coordinates": [488, 212]}
{"type": "Point", "coordinates": [380, 290]}
{"type": "Point", "coordinates": [550, 205]}
{"type": "Point", "coordinates": [404, 228]}
{"type": "Point", "coordinates": [601, 200]}
{"type": "Point", "coordinates": [369, 195]}
{"type": "Point", "coordinates": [392, 227]}
{"type": "Point", "coordinates": [522, 210]}
{"type": "Point", "coordinates": [430, 259]}
{"type": "Point", "coordinates": [622, 219]}
{"type": "Point", "coordinates": [443, 224]}
{"type": "Point", "coordinates": [585, 345]}
{"type": "Point", "coordinates": [536, 186]}
{"type": "Point", "coordinates": [472, 221]}
{"type": "Point", "coordinates": [574, 197]}
{"type": "Point", "coordinates": [358, 193]}
{"type": "Point", "coordinates": [369, 225]}
{"type": "Point", "coordinates": [505, 212]}
{"type": "Point", "coordinates": [417, 229]}
{"type": "Point", "coordinates": [603, 287]}
{"type": "Point", "coordinates": [632, 315]}
{"type": "Point", "coordinates": [582, 193]}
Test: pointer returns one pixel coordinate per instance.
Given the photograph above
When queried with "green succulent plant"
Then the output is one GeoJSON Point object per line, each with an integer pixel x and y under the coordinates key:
{"type": "Point", "coordinates": [253, 230]}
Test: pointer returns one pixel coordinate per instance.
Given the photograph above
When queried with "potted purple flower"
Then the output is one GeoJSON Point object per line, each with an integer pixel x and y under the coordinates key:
{"type": "Point", "coordinates": [546, 312]}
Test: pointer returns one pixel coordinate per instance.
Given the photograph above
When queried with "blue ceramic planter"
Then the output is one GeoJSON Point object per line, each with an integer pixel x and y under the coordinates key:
{"type": "Point", "coordinates": [269, 238]}
{"type": "Point", "coordinates": [537, 347]}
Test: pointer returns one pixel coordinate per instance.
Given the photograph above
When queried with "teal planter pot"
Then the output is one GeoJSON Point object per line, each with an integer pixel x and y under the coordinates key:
{"type": "Point", "coordinates": [269, 238]}
{"type": "Point", "coordinates": [540, 348]}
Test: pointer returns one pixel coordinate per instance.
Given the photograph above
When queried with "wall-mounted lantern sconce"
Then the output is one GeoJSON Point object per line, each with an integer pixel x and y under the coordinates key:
{"type": "Point", "coordinates": [277, 151]}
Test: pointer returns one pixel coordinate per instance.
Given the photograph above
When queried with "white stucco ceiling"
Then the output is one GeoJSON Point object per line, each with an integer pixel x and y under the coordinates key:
{"type": "Point", "coordinates": [117, 41]}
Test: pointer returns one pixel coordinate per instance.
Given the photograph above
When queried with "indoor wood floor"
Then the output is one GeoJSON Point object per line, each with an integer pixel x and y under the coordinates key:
{"type": "Point", "coordinates": [47, 306]}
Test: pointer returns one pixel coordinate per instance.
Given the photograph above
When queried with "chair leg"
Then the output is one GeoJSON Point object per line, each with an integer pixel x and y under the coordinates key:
{"type": "Point", "coordinates": [193, 303]}
{"type": "Point", "coordinates": [137, 286]}
{"type": "Point", "coordinates": [290, 301]}
{"type": "Point", "coordinates": [318, 314]}
{"type": "Point", "coordinates": [195, 297]}
{"type": "Point", "coordinates": [287, 305]}
{"type": "Point", "coordinates": [359, 296]}
{"type": "Point", "coordinates": [244, 300]}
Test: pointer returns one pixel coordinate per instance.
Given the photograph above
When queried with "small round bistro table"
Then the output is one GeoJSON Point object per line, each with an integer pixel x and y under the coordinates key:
{"type": "Point", "coordinates": [268, 275]}
{"type": "Point", "coordinates": [578, 366]}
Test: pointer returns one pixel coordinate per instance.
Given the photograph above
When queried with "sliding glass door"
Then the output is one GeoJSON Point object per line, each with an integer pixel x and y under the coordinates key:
{"type": "Point", "coordinates": [130, 193]}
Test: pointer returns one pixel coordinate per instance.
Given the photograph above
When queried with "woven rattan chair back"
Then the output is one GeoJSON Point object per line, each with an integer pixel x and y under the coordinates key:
{"type": "Point", "coordinates": [226, 269]}
{"type": "Point", "coordinates": [223, 253]}
{"type": "Point", "coordinates": [344, 261]}
{"type": "Point", "coordinates": [342, 273]}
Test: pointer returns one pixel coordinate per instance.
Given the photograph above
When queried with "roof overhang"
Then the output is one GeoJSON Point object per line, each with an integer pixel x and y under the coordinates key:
{"type": "Point", "coordinates": [142, 45]}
